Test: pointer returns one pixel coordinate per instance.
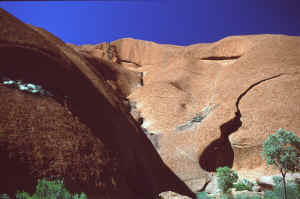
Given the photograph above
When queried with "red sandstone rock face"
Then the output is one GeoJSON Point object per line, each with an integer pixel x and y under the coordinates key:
{"type": "Point", "coordinates": [255, 76]}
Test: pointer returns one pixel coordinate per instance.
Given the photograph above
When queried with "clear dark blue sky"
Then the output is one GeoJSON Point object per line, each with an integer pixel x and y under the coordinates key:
{"type": "Point", "coordinates": [179, 22]}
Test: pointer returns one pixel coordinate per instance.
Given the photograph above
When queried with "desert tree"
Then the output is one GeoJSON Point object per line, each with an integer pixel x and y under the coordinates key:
{"type": "Point", "coordinates": [283, 151]}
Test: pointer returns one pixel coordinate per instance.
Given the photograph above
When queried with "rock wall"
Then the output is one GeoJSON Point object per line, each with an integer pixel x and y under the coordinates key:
{"type": "Point", "coordinates": [214, 104]}
{"type": "Point", "coordinates": [31, 55]}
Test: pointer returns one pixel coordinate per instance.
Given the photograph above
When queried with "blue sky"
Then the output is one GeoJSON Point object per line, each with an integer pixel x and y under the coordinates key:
{"type": "Point", "coordinates": [179, 22]}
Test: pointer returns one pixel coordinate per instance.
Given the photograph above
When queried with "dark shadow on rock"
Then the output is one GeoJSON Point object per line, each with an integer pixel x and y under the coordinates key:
{"type": "Point", "coordinates": [219, 153]}
{"type": "Point", "coordinates": [220, 58]}
{"type": "Point", "coordinates": [142, 170]}
{"type": "Point", "coordinates": [14, 175]}
{"type": "Point", "coordinates": [122, 80]}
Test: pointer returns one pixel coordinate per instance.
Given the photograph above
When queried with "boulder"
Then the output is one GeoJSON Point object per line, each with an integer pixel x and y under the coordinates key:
{"type": "Point", "coordinates": [212, 186]}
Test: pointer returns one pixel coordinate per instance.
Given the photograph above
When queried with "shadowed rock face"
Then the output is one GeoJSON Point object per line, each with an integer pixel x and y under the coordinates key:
{"type": "Point", "coordinates": [41, 138]}
{"type": "Point", "coordinates": [94, 114]}
{"type": "Point", "coordinates": [121, 79]}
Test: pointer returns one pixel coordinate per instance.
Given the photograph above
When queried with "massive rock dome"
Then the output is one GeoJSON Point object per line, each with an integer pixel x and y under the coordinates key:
{"type": "Point", "coordinates": [201, 106]}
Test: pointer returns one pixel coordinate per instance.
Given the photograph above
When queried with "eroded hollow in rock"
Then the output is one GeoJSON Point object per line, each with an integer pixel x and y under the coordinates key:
{"type": "Point", "coordinates": [220, 58]}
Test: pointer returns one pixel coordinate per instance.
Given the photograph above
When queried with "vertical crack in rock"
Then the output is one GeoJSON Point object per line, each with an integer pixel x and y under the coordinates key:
{"type": "Point", "coordinates": [142, 80]}
{"type": "Point", "coordinates": [220, 153]}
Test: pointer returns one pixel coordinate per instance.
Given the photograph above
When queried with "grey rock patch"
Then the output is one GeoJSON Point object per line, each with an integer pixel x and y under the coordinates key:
{"type": "Point", "coordinates": [197, 119]}
{"type": "Point", "coordinates": [268, 181]}
{"type": "Point", "coordinates": [172, 195]}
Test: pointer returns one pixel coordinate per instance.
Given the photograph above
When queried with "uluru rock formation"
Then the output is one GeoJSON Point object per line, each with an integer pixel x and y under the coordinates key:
{"type": "Point", "coordinates": [202, 106]}
{"type": "Point", "coordinates": [210, 105]}
{"type": "Point", "coordinates": [82, 96]}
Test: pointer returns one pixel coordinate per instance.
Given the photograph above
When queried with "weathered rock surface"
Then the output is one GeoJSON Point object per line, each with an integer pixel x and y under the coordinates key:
{"type": "Point", "coordinates": [214, 104]}
{"type": "Point", "coordinates": [33, 55]}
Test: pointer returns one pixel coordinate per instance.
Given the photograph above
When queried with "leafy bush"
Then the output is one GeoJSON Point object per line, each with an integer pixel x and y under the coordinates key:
{"type": "Point", "coordinates": [225, 178]}
{"type": "Point", "coordinates": [292, 190]}
{"type": "Point", "coordinates": [202, 195]}
{"type": "Point", "coordinates": [226, 196]}
{"type": "Point", "coordinates": [49, 190]}
{"type": "Point", "coordinates": [243, 185]}
{"type": "Point", "coordinates": [23, 195]}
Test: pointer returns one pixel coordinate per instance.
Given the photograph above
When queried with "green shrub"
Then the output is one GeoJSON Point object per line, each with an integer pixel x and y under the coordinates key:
{"type": "Point", "coordinates": [225, 178]}
{"type": "Point", "coordinates": [243, 185]}
{"type": "Point", "coordinates": [226, 196]}
{"type": "Point", "coordinates": [23, 195]}
{"type": "Point", "coordinates": [48, 190]}
{"type": "Point", "coordinates": [202, 195]}
{"type": "Point", "coordinates": [292, 190]}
